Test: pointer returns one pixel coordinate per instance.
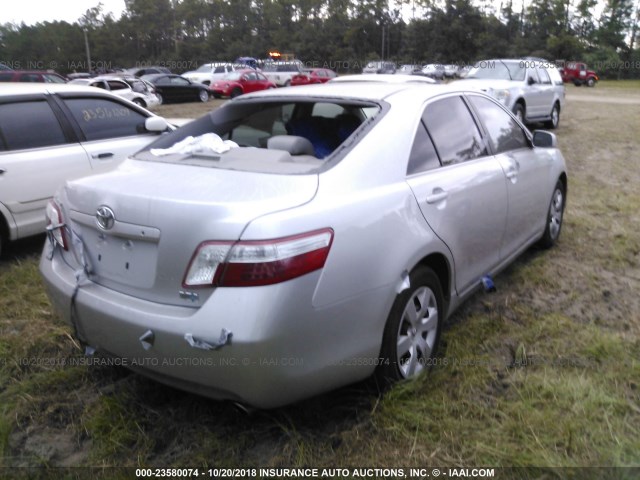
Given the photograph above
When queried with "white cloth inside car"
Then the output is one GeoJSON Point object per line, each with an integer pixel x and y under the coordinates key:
{"type": "Point", "coordinates": [207, 143]}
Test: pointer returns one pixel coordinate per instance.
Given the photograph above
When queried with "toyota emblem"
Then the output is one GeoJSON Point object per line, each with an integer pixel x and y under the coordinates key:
{"type": "Point", "coordinates": [105, 218]}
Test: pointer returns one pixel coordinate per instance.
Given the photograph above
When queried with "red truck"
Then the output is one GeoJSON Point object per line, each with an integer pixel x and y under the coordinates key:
{"type": "Point", "coordinates": [579, 74]}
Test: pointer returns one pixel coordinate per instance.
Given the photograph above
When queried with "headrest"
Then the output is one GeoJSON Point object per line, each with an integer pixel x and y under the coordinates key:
{"type": "Point", "coordinates": [291, 143]}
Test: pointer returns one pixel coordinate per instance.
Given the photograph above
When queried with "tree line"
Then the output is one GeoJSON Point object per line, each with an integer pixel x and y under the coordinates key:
{"type": "Point", "coordinates": [339, 34]}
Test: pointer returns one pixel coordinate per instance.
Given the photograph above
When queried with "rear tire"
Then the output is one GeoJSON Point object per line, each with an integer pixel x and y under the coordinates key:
{"type": "Point", "coordinates": [555, 214]}
{"type": "Point", "coordinates": [4, 234]}
{"type": "Point", "coordinates": [412, 331]}
{"type": "Point", "coordinates": [160, 99]}
{"type": "Point", "coordinates": [555, 118]}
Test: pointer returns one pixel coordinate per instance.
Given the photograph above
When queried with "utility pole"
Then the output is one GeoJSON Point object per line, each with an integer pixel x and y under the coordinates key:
{"type": "Point", "coordinates": [86, 46]}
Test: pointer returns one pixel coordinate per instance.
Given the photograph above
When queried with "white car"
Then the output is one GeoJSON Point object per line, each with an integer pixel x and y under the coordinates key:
{"type": "Point", "coordinates": [51, 133]}
{"type": "Point", "coordinates": [131, 88]}
{"type": "Point", "coordinates": [531, 88]}
{"type": "Point", "coordinates": [209, 73]}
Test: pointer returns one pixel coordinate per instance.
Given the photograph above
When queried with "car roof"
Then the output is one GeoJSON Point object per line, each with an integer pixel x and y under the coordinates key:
{"type": "Point", "coordinates": [382, 78]}
{"type": "Point", "coordinates": [365, 91]}
{"type": "Point", "coordinates": [27, 88]}
{"type": "Point", "coordinates": [153, 76]}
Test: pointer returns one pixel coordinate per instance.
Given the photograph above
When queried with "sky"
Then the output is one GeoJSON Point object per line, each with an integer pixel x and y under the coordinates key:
{"type": "Point", "coordinates": [34, 11]}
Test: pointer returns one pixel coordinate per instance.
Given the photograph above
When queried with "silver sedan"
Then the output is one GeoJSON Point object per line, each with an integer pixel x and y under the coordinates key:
{"type": "Point", "coordinates": [293, 241]}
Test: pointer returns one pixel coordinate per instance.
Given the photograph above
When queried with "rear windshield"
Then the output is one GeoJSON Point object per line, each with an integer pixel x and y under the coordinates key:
{"type": "Point", "coordinates": [267, 136]}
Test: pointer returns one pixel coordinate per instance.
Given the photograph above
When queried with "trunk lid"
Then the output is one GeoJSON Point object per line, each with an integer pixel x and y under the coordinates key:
{"type": "Point", "coordinates": [162, 212]}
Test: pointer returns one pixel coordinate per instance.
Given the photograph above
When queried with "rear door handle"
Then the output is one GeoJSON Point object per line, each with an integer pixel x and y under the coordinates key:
{"type": "Point", "coordinates": [101, 156]}
{"type": "Point", "coordinates": [437, 196]}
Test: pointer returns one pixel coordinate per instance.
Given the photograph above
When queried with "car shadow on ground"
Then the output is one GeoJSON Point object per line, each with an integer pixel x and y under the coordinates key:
{"type": "Point", "coordinates": [21, 250]}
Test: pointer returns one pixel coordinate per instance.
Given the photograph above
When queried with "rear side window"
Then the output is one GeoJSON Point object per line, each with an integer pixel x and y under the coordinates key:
{"type": "Point", "coordinates": [26, 125]}
{"type": "Point", "coordinates": [453, 130]}
{"type": "Point", "coordinates": [117, 85]}
{"type": "Point", "coordinates": [100, 118]}
{"type": "Point", "coordinates": [423, 153]}
{"type": "Point", "coordinates": [504, 133]}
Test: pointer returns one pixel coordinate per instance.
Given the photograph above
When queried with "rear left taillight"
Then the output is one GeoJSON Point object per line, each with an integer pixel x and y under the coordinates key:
{"type": "Point", "coordinates": [55, 225]}
{"type": "Point", "coordinates": [258, 262]}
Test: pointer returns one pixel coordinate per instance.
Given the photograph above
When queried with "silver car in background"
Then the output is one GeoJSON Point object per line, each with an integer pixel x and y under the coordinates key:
{"type": "Point", "coordinates": [294, 241]}
{"type": "Point", "coordinates": [531, 88]}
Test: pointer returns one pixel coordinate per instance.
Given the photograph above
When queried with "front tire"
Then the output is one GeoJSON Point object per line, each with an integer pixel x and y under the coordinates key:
{"type": "Point", "coordinates": [139, 102]}
{"type": "Point", "coordinates": [519, 112]}
{"type": "Point", "coordinates": [591, 82]}
{"type": "Point", "coordinates": [412, 331]}
{"type": "Point", "coordinates": [555, 215]}
{"type": "Point", "coordinates": [204, 96]}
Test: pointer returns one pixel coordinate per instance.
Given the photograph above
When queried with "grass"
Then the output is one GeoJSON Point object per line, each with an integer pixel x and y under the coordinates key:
{"type": "Point", "coordinates": [545, 372]}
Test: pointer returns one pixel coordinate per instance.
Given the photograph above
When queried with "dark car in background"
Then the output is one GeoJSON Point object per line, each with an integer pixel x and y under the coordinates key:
{"type": "Point", "coordinates": [172, 88]}
{"type": "Point", "coordinates": [140, 71]}
{"type": "Point", "coordinates": [31, 76]}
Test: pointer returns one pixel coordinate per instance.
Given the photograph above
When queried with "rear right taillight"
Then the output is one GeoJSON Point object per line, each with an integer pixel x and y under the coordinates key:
{"type": "Point", "coordinates": [55, 224]}
{"type": "Point", "coordinates": [258, 262]}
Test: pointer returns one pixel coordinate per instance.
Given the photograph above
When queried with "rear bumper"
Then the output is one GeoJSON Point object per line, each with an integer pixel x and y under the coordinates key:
{"type": "Point", "coordinates": [281, 349]}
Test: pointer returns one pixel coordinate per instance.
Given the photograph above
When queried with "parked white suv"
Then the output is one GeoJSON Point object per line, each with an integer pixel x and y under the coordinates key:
{"type": "Point", "coordinates": [51, 133]}
{"type": "Point", "coordinates": [281, 73]}
{"type": "Point", "coordinates": [527, 87]}
{"type": "Point", "coordinates": [209, 73]}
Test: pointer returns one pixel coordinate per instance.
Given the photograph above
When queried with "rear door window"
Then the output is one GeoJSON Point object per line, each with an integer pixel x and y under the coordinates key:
{"type": "Point", "coordinates": [26, 125]}
{"type": "Point", "coordinates": [101, 118]}
{"type": "Point", "coordinates": [543, 75]}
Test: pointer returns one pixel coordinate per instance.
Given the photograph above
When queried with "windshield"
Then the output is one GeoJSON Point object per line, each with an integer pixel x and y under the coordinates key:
{"type": "Point", "coordinates": [498, 70]}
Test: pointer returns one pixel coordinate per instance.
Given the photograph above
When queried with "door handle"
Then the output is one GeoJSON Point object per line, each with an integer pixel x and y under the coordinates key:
{"type": "Point", "coordinates": [437, 196]}
{"type": "Point", "coordinates": [101, 156]}
{"type": "Point", "coordinates": [513, 169]}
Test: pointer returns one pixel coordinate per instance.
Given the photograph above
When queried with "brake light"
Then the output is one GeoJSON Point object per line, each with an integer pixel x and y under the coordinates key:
{"type": "Point", "coordinates": [55, 225]}
{"type": "Point", "coordinates": [258, 262]}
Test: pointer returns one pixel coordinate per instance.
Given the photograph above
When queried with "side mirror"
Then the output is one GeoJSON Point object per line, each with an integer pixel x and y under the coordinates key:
{"type": "Point", "coordinates": [155, 124]}
{"type": "Point", "coordinates": [531, 81]}
{"type": "Point", "coordinates": [544, 139]}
